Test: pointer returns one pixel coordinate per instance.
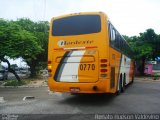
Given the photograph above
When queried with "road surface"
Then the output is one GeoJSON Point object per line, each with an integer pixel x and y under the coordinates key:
{"type": "Point", "coordinates": [140, 97]}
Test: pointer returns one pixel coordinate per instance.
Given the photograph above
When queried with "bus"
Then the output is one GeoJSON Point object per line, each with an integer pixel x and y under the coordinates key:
{"type": "Point", "coordinates": [86, 54]}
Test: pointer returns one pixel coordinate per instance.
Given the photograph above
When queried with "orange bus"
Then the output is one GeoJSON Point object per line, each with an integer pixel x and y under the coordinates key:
{"type": "Point", "coordinates": [86, 54]}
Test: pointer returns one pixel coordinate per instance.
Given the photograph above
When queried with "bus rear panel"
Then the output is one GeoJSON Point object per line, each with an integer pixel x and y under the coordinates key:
{"type": "Point", "coordinates": [80, 59]}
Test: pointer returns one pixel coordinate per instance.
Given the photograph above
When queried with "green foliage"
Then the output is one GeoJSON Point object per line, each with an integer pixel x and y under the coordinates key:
{"type": "Point", "coordinates": [40, 30]}
{"type": "Point", "coordinates": [24, 38]}
{"type": "Point", "coordinates": [14, 83]}
{"type": "Point", "coordinates": [146, 45]}
{"type": "Point", "coordinates": [17, 42]}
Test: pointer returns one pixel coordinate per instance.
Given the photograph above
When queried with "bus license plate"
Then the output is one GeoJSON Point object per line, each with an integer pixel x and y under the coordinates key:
{"type": "Point", "coordinates": [74, 90]}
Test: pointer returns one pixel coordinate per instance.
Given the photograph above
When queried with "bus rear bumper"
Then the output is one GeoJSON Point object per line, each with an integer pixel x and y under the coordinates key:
{"type": "Point", "coordinates": [98, 87]}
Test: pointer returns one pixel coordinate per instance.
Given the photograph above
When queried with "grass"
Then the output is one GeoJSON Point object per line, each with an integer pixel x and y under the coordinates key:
{"type": "Point", "coordinates": [14, 83]}
{"type": "Point", "coordinates": [155, 76]}
{"type": "Point", "coordinates": [28, 81]}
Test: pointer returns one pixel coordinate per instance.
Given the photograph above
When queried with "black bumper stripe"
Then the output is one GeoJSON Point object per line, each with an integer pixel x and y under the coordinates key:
{"type": "Point", "coordinates": [61, 65]}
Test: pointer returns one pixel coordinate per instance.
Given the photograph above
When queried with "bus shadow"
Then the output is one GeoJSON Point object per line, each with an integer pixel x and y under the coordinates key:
{"type": "Point", "coordinates": [88, 99]}
{"type": "Point", "coordinates": [91, 99]}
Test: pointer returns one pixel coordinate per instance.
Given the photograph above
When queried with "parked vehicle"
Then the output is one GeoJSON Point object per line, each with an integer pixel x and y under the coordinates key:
{"type": "Point", "coordinates": [3, 74]}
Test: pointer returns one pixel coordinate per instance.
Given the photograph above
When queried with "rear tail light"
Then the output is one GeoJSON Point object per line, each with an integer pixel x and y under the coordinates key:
{"type": "Point", "coordinates": [103, 60]}
{"type": "Point", "coordinates": [49, 68]}
{"type": "Point", "coordinates": [103, 68]}
{"type": "Point", "coordinates": [49, 62]}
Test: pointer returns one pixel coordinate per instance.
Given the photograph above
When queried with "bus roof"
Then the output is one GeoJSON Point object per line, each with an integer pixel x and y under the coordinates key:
{"type": "Point", "coordinates": [80, 13]}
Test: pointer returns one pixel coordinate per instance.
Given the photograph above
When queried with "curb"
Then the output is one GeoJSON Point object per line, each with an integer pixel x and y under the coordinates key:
{"type": "Point", "coordinates": [23, 86]}
{"type": "Point", "coordinates": [150, 80]}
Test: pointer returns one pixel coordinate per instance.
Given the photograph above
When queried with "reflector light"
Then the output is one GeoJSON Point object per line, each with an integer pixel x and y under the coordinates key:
{"type": "Point", "coordinates": [103, 60]}
{"type": "Point", "coordinates": [103, 65]}
{"type": "Point", "coordinates": [103, 75]}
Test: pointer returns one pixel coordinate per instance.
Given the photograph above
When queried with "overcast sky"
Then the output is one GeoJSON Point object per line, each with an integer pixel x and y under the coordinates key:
{"type": "Point", "coordinates": [130, 17]}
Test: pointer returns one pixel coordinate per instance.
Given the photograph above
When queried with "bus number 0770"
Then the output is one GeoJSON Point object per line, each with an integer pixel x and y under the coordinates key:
{"type": "Point", "coordinates": [87, 66]}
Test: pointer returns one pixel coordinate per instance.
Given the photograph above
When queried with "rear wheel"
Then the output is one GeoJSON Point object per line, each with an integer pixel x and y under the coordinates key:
{"type": "Point", "coordinates": [132, 79]}
{"type": "Point", "coordinates": [120, 86]}
{"type": "Point", "coordinates": [124, 83]}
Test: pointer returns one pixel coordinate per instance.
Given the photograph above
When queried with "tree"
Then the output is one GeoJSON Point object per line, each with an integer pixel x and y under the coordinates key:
{"type": "Point", "coordinates": [40, 31]}
{"type": "Point", "coordinates": [17, 42]}
{"type": "Point", "coordinates": [150, 37]}
{"type": "Point", "coordinates": [145, 46]}
{"type": "Point", "coordinates": [5, 43]}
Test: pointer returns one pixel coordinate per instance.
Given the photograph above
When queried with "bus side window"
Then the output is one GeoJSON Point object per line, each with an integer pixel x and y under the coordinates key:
{"type": "Point", "coordinates": [117, 41]}
{"type": "Point", "coordinates": [125, 48]}
{"type": "Point", "coordinates": [113, 36]}
{"type": "Point", "coordinates": [109, 31]}
{"type": "Point", "coordinates": [121, 43]}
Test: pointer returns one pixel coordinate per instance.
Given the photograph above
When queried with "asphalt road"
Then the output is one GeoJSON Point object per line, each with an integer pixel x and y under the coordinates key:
{"type": "Point", "coordinates": [140, 97]}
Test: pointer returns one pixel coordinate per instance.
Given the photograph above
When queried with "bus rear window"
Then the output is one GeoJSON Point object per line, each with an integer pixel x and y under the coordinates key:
{"type": "Point", "coordinates": [76, 25]}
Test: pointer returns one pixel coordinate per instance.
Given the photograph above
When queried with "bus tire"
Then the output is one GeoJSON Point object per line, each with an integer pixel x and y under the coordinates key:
{"type": "Point", "coordinates": [132, 80]}
{"type": "Point", "coordinates": [120, 87]}
{"type": "Point", "coordinates": [123, 83]}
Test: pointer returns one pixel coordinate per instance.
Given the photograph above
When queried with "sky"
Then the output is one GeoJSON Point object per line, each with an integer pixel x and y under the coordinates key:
{"type": "Point", "coordinates": [19, 62]}
{"type": "Point", "coordinates": [130, 17]}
